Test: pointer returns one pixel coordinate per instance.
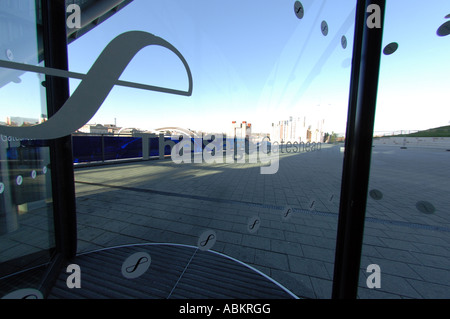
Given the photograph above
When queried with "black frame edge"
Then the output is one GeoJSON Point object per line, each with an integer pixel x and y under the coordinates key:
{"type": "Point", "coordinates": [367, 52]}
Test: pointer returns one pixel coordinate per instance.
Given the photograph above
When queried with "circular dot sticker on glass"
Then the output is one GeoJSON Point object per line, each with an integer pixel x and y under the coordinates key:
{"type": "Point", "coordinates": [332, 198]}
{"type": "Point", "coordinates": [19, 180]}
{"type": "Point", "coordinates": [312, 204]}
{"type": "Point", "coordinates": [344, 42]}
{"type": "Point", "coordinates": [444, 29]}
{"type": "Point", "coordinates": [376, 194]}
{"type": "Point", "coordinates": [136, 265]}
{"type": "Point", "coordinates": [207, 240]}
{"type": "Point", "coordinates": [425, 207]}
{"type": "Point", "coordinates": [391, 48]}
{"type": "Point", "coordinates": [287, 213]}
{"type": "Point", "coordinates": [299, 9]}
{"type": "Point", "coordinates": [324, 28]}
{"type": "Point", "coordinates": [253, 224]}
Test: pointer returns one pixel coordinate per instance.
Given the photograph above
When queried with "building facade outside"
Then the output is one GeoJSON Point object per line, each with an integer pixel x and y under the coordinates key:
{"type": "Point", "coordinates": [298, 129]}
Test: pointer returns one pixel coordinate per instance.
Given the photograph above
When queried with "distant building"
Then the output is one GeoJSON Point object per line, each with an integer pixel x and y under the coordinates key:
{"type": "Point", "coordinates": [240, 130]}
{"type": "Point", "coordinates": [112, 128]}
{"type": "Point", "coordinates": [94, 129]}
{"type": "Point", "coordinates": [21, 121]}
{"type": "Point", "coordinates": [298, 129]}
{"type": "Point", "coordinates": [129, 131]}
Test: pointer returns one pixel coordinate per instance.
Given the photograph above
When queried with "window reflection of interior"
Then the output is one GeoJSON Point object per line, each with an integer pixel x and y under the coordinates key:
{"type": "Point", "coordinates": [26, 210]}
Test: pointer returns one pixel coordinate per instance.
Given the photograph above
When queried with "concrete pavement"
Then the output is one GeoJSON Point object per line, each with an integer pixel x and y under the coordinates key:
{"type": "Point", "coordinates": [159, 201]}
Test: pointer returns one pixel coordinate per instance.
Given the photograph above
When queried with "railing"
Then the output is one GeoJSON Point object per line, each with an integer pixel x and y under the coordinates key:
{"type": "Point", "coordinates": [89, 148]}
{"type": "Point", "coordinates": [100, 148]}
{"type": "Point", "coordinates": [393, 133]}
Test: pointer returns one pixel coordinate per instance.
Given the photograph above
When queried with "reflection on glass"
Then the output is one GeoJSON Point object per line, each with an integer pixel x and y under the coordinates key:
{"type": "Point", "coordinates": [26, 219]}
{"type": "Point", "coordinates": [407, 228]}
{"type": "Point", "coordinates": [274, 79]}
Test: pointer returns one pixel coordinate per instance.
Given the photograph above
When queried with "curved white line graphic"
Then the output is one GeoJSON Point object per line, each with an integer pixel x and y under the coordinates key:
{"type": "Point", "coordinates": [96, 86]}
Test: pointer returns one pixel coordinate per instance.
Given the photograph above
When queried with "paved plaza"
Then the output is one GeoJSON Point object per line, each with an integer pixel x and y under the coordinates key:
{"type": "Point", "coordinates": [158, 201]}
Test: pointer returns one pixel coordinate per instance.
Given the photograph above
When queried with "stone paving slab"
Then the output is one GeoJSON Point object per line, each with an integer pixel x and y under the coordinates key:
{"type": "Point", "coordinates": [159, 201]}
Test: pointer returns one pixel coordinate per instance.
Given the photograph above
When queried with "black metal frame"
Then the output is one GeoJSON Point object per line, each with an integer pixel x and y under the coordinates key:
{"type": "Point", "coordinates": [358, 150]}
{"type": "Point", "coordinates": [61, 162]}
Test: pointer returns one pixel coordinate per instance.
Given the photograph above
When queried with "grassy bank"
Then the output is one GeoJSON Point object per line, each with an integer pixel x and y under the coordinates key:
{"type": "Point", "coordinates": [443, 131]}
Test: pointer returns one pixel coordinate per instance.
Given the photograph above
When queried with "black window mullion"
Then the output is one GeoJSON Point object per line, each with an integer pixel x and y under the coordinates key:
{"type": "Point", "coordinates": [61, 161]}
{"type": "Point", "coordinates": [358, 149]}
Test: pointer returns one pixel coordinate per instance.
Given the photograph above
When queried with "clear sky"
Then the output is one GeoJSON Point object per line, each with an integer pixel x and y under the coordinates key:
{"type": "Point", "coordinates": [257, 62]}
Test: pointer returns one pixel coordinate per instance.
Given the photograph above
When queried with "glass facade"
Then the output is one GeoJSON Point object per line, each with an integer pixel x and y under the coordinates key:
{"type": "Point", "coordinates": [264, 75]}
{"type": "Point", "coordinates": [406, 231]}
{"type": "Point", "coordinates": [27, 234]}
{"type": "Point", "coordinates": [221, 130]}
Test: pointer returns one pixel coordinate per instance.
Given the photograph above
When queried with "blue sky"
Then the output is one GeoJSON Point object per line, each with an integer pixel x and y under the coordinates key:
{"type": "Point", "coordinates": [414, 82]}
{"type": "Point", "coordinates": [248, 62]}
{"type": "Point", "coordinates": [257, 62]}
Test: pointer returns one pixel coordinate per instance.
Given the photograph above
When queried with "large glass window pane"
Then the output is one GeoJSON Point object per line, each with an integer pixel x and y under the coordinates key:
{"type": "Point", "coordinates": [269, 77]}
{"type": "Point", "coordinates": [26, 211]}
{"type": "Point", "coordinates": [407, 225]}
